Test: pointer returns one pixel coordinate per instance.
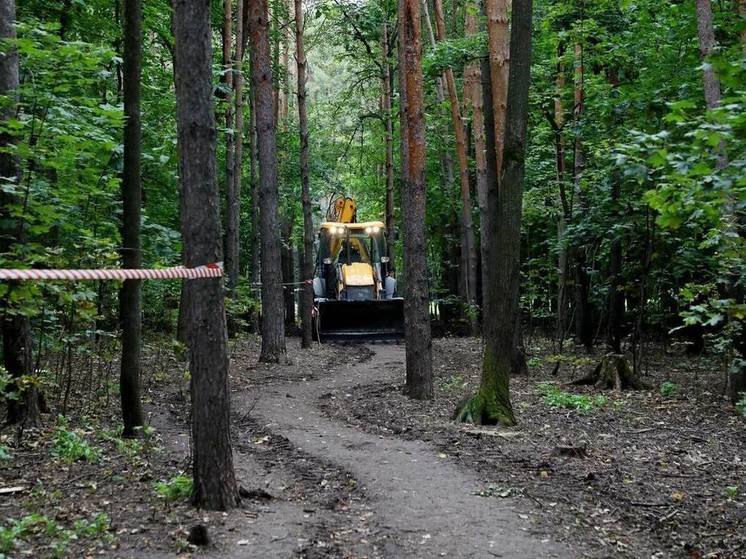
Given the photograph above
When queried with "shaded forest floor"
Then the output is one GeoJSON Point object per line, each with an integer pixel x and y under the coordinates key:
{"type": "Point", "coordinates": [632, 474]}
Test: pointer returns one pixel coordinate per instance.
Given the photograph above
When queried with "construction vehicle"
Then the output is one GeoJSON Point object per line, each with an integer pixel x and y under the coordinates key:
{"type": "Point", "coordinates": [354, 287]}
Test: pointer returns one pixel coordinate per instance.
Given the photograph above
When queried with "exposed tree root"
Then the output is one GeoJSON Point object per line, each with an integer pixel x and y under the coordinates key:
{"type": "Point", "coordinates": [613, 371]}
{"type": "Point", "coordinates": [484, 409]}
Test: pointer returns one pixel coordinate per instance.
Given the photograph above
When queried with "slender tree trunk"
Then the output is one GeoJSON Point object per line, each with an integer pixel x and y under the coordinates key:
{"type": "Point", "coordinates": [416, 302]}
{"type": "Point", "coordinates": [214, 480]}
{"type": "Point", "coordinates": [308, 232]}
{"type": "Point", "coordinates": [388, 138]}
{"type": "Point", "coordinates": [498, 37]}
{"type": "Point", "coordinates": [469, 253]}
{"type": "Point", "coordinates": [615, 309]}
{"type": "Point", "coordinates": [565, 214]}
{"type": "Point", "coordinates": [581, 287]}
{"type": "Point", "coordinates": [473, 92]}
{"type": "Point", "coordinates": [230, 138]}
{"type": "Point", "coordinates": [233, 202]}
{"type": "Point", "coordinates": [256, 254]}
{"type": "Point", "coordinates": [273, 331]}
{"type": "Point", "coordinates": [130, 296]}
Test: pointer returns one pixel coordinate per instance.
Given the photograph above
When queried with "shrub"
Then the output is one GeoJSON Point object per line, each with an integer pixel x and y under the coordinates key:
{"type": "Point", "coordinates": [669, 389]}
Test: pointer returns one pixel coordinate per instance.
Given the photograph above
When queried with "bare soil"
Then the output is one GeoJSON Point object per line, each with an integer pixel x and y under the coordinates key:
{"type": "Point", "coordinates": [643, 475]}
{"type": "Point", "coordinates": [335, 462]}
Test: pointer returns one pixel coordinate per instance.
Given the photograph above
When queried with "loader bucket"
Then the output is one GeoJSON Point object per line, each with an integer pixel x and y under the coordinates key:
{"type": "Point", "coordinates": [361, 320]}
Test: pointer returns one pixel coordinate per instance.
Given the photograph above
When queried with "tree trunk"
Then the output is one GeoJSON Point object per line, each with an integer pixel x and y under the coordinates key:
{"type": "Point", "coordinates": [256, 254]}
{"type": "Point", "coordinates": [473, 93]}
{"type": "Point", "coordinates": [581, 287]}
{"type": "Point", "coordinates": [233, 202]}
{"type": "Point", "coordinates": [565, 214]}
{"type": "Point", "coordinates": [306, 306]}
{"type": "Point", "coordinates": [707, 45]}
{"type": "Point", "coordinates": [469, 253]}
{"type": "Point", "coordinates": [212, 460]}
{"type": "Point", "coordinates": [498, 36]}
{"type": "Point", "coordinates": [231, 260]}
{"type": "Point", "coordinates": [16, 328]}
{"type": "Point", "coordinates": [615, 309]}
{"type": "Point", "coordinates": [388, 138]}
{"type": "Point", "coordinates": [273, 331]}
{"type": "Point", "coordinates": [416, 302]}
{"type": "Point", "coordinates": [130, 296]}
{"type": "Point", "coordinates": [491, 404]}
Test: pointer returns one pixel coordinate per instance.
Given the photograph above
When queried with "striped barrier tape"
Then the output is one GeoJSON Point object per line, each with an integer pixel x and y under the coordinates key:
{"type": "Point", "coordinates": [214, 270]}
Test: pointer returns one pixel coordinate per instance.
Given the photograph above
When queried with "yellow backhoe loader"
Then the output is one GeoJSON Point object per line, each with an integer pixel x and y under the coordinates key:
{"type": "Point", "coordinates": [354, 290]}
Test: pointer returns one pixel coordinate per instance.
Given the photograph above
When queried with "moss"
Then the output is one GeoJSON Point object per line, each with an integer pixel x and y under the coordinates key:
{"type": "Point", "coordinates": [491, 404]}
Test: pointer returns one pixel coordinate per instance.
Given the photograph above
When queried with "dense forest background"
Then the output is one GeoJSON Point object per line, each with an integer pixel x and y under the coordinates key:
{"type": "Point", "coordinates": [634, 185]}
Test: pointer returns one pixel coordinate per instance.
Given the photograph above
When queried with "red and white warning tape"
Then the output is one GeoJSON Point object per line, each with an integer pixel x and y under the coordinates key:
{"type": "Point", "coordinates": [208, 271]}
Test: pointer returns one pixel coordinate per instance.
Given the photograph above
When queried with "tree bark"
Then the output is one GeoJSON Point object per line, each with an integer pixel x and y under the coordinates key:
{"type": "Point", "coordinates": [231, 260]}
{"type": "Point", "coordinates": [16, 328]}
{"type": "Point", "coordinates": [498, 36]}
{"type": "Point", "coordinates": [491, 404]}
{"type": "Point", "coordinates": [473, 96]}
{"type": "Point", "coordinates": [233, 202]}
{"type": "Point", "coordinates": [273, 331]}
{"type": "Point", "coordinates": [469, 254]}
{"type": "Point", "coordinates": [288, 272]}
{"type": "Point", "coordinates": [615, 308]}
{"type": "Point", "coordinates": [306, 306]}
{"type": "Point", "coordinates": [416, 303]}
{"type": "Point", "coordinates": [130, 296]}
{"type": "Point", "coordinates": [388, 138]}
{"type": "Point", "coordinates": [581, 287]}
{"type": "Point", "coordinates": [565, 214]}
{"type": "Point", "coordinates": [214, 479]}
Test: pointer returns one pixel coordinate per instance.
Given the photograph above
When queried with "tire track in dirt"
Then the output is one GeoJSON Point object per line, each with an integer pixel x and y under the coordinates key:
{"type": "Point", "coordinates": [424, 503]}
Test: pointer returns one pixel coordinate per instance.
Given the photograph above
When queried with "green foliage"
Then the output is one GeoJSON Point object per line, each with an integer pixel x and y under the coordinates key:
{"type": "Point", "coordinates": [731, 492]}
{"type": "Point", "coordinates": [70, 446]}
{"type": "Point", "coordinates": [5, 454]}
{"type": "Point", "coordinates": [57, 536]}
{"type": "Point", "coordinates": [669, 389]}
{"type": "Point", "coordinates": [176, 489]}
{"type": "Point", "coordinates": [556, 398]}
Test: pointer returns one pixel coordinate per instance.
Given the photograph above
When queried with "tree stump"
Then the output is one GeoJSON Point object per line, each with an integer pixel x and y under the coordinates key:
{"type": "Point", "coordinates": [612, 372]}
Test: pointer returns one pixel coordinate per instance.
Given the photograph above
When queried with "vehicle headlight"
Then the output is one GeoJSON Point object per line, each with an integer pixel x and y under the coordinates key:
{"type": "Point", "coordinates": [368, 230]}
{"type": "Point", "coordinates": [376, 229]}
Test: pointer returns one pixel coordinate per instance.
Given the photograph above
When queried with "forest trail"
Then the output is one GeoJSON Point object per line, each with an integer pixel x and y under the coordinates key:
{"type": "Point", "coordinates": [425, 502]}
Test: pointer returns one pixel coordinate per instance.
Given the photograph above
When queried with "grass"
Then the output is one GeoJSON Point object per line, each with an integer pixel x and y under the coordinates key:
{"type": "Point", "coordinates": [70, 446]}
{"type": "Point", "coordinates": [556, 398]}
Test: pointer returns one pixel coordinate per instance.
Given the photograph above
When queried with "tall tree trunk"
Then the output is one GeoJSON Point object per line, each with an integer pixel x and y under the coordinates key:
{"type": "Point", "coordinates": [473, 97]}
{"type": "Point", "coordinates": [615, 309]}
{"type": "Point", "coordinates": [469, 253]}
{"type": "Point", "coordinates": [214, 479]}
{"type": "Point", "coordinates": [130, 296]}
{"type": "Point", "coordinates": [16, 328]}
{"type": "Point", "coordinates": [306, 306]}
{"type": "Point", "coordinates": [491, 404]}
{"type": "Point", "coordinates": [581, 287]}
{"type": "Point", "coordinates": [565, 214]}
{"type": "Point", "coordinates": [273, 331]}
{"type": "Point", "coordinates": [498, 36]}
{"type": "Point", "coordinates": [388, 137]}
{"type": "Point", "coordinates": [712, 92]}
{"type": "Point", "coordinates": [416, 301]}
{"type": "Point", "coordinates": [233, 202]}
{"type": "Point", "coordinates": [230, 138]}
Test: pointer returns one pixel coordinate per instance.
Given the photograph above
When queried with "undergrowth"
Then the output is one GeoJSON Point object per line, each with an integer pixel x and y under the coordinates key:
{"type": "Point", "coordinates": [556, 398]}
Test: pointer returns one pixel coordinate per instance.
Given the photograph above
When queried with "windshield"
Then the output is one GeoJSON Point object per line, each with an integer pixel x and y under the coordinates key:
{"type": "Point", "coordinates": [351, 246]}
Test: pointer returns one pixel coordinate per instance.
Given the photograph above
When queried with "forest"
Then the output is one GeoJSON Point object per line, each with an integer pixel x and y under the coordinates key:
{"type": "Point", "coordinates": [373, 278]}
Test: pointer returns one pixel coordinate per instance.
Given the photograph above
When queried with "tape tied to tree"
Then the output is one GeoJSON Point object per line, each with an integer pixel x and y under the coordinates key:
{"type": "Point", "coordinates": [213, 270]}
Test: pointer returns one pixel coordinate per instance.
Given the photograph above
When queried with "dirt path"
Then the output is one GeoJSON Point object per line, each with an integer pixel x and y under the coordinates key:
{"type": "Point", "coordinates": [424, 503]}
